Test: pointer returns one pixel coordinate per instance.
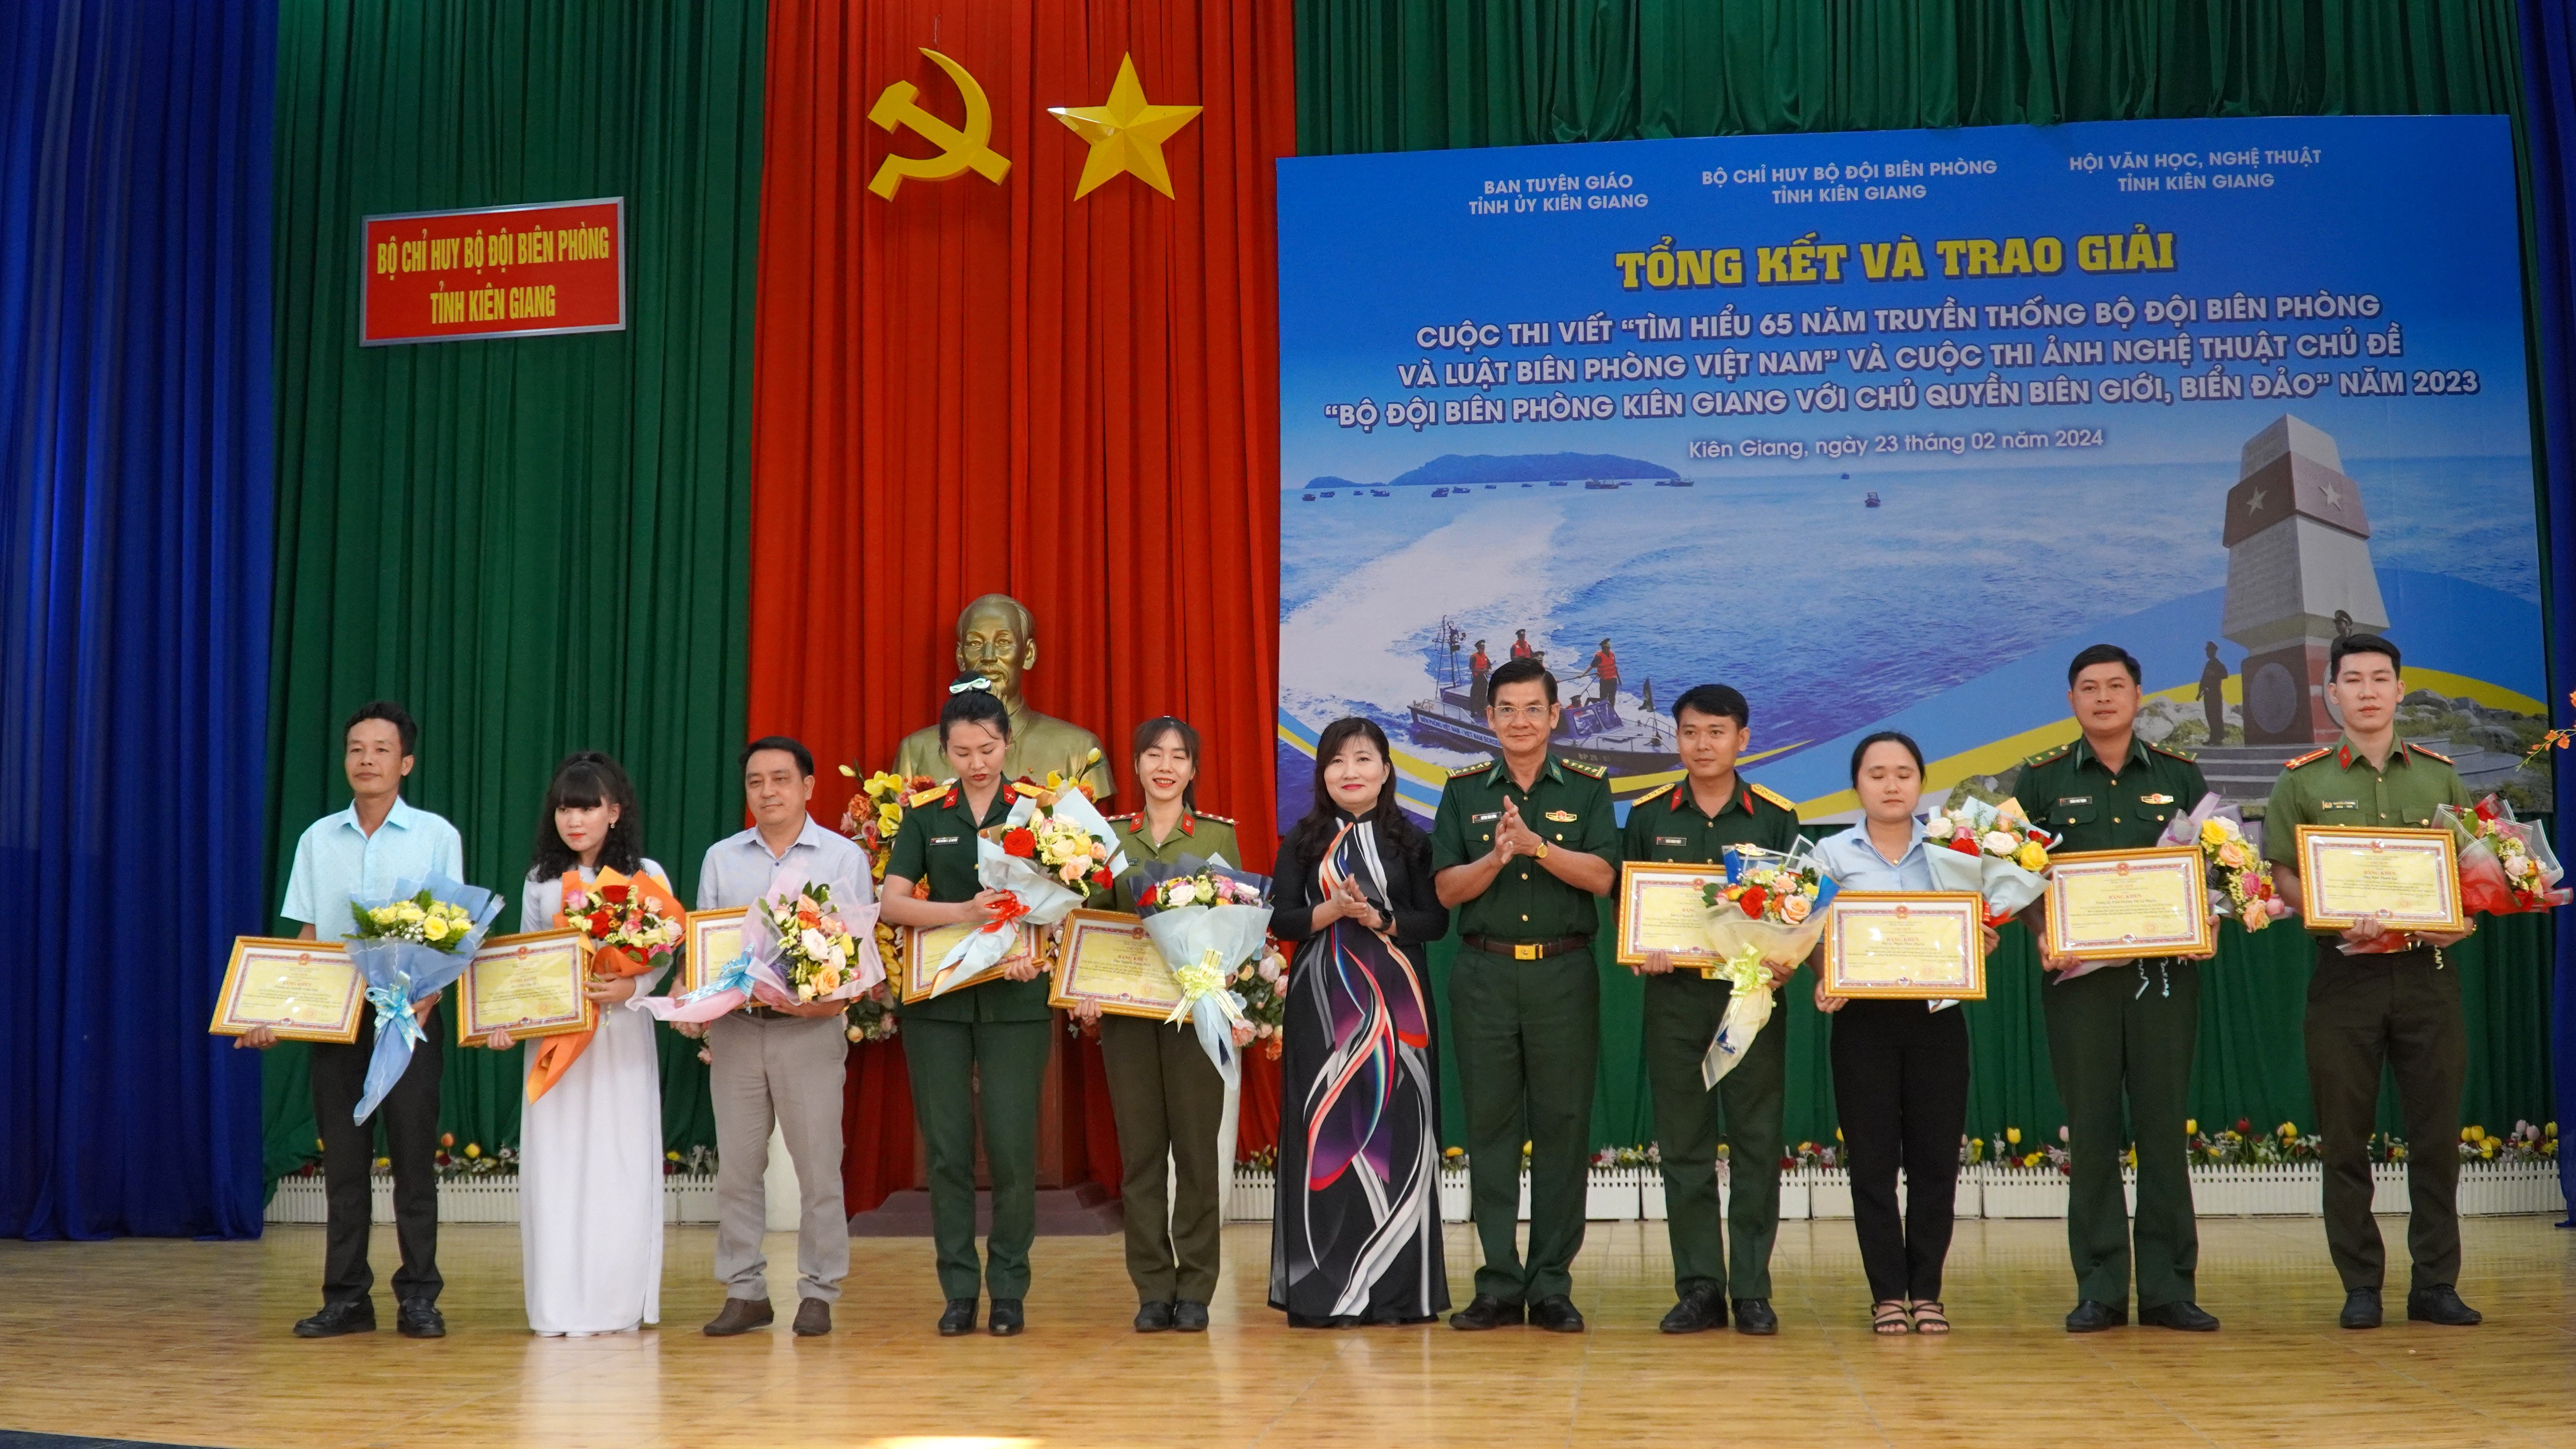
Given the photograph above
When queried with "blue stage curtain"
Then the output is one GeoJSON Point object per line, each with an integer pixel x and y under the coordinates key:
{"type": "Point", "coordinates": [2549, 126]}
{"type": "Point", "coordinates": [135, 474]}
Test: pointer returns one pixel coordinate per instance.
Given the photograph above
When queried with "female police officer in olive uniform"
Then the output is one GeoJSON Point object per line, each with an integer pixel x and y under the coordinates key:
{"type": "Point", "coordinates": [996, 1034]}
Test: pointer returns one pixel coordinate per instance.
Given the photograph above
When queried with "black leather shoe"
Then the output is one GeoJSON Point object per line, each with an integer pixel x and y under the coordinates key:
{"type": "Point", "coordinates": [1754, 1316]}
{"type": "Point", "coordinates": [2187, 1316]}
{"type": "Point", "coordinates": [1556, 1314]}
{"type": "Point", "coordinates": [958, 1318]}
{"type": "Point", "coordinates": [2440, 1304]}
{"type": "Point", "coordinates": [2360, 1308]}
{"type": "Point", "coordinates": [739, 1315]}
{"type": "Point", "coordinates": [419, 1318]}
{"type": "Point", "coordinates": [1700, 1309]}
{"type": "Point", "coordinates": [1153, 1318]}
{"type": "Point", "coordinates": [356, 1316]}
{"type": "Point", "coordinates": [2093, 1317]}
{"type": "Point", "coordinates": [1006, 1319]}
{"type": "Point", "coordinates": [1189, 1317]}
{"type": "Point", "coordinates": [813, 1318]}
{"type": "Point", "coordinates": [1483, 1312]}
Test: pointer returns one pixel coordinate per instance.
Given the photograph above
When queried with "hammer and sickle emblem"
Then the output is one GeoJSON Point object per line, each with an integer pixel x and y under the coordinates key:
{"type": "Point", "coordinates": [958, 150]}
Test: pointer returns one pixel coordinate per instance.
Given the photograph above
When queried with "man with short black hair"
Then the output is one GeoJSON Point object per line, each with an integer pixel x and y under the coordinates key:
{"type": "Point", "coordinates": [778, 1065]}
{"type": "Point", "coordinates": [2393, 1003]}
{"type": "Point", "coordinates": [1522, 847]}
{"type": "Point", "coordinates": [2120, 1040]}
{"type": "Point", "coordinates": [1696, 821]}
{"type": "Point", "coordinates": [364, 852]}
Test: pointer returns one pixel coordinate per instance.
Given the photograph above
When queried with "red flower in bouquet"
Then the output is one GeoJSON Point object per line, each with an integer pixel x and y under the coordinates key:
{"type": "Point", "coordinates": [1022, 842]}
{"type": "Point", "coordinates": [1751, 901]}
{"type": "Point", "coordinates": [615, 895]}
{"type": "Point", "coordinates": [1964, 843]}
{"type": "Point", "coordinates": [601, 923]}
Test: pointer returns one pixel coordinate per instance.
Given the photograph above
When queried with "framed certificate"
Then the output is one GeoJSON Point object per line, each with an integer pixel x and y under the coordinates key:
{"type": "Point", "coordinates": [2110, 905]}
{"type": "Point", "coordinates": [715, 938]}
{"type": "Point", "coordinates": [529, 986]}
{"type": "Point", "coordinates": [1660, 909]}
{"type": "Point", "coordinates": [2407, 880]}
{"type": "Point", "coordinates": [923, 946]}
{"type": "Point", "coordinates": [1106, 957]}
{"type": "Point", "coordinates": [301, 990]}
{"type": "Point", "coordinates": [1906, 945]}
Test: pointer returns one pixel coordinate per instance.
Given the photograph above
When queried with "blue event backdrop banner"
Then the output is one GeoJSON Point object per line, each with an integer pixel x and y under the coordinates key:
{"type": "Point", "coordinates": [1881, 427]}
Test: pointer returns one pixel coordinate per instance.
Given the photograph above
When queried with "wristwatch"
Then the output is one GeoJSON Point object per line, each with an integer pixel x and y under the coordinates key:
{"type": "Point", "coordinates": [1542, 851]}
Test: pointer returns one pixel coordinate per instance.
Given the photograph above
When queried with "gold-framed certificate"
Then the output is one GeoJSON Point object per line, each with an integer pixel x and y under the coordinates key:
{"type": "Point", "coordinates": [2112, 905]}
{"type": "Point", "coordinates": [1107, 957]}
{"type": "Point", "coordinates": [301, 990]}
{"type": "Point", "coordinates": [1661, 909]}
{"type": "Point", "coordinates": [715, 938]}
{"type": "Point", "coordinates": [2407, 880]}
{"type": "Point", "coordinates": [527, 985]}
{"type": "Point", "coordinates": [1906, 945]}
{"type": "Point", "coordinates": [925, 946]}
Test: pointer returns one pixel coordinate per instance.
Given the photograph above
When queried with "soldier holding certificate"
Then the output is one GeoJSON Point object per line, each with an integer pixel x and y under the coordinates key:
{"type": "Point", "coordinates": [2379, 996]}
{"type": "Point", "coordinates": [2116, 1033]}
{"type": "Point", "coordinates": [1696, 821]}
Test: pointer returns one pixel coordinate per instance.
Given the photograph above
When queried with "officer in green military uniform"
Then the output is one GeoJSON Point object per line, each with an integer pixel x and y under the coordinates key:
{"type": "Point", "coordinates": [987, 1042]}
{"type": "Point", "coordinates": [1167, 1097]}
{"type": "Point", "coordinates": [2398, 1007]}
{"type": "Point", "coordinates": [1522, 847]}
{"type": "Point", "coordinates": [1696, 821]}
{"type": "Point", "coordinates": [2120, 1029]}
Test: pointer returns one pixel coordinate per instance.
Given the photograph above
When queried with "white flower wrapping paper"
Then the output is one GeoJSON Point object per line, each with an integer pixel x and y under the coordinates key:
{"type": "Point", "coordinates": [1048, 899]}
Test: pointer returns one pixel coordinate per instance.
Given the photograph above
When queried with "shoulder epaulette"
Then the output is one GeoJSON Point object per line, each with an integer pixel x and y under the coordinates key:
{"type": "Point", "coordinates": [2183, 755]}
{"type": "Point", "coordinates": [919, 798]}
{"type": "Point", "coordinates": [1120, 819]}
{"type": "Point", "coordinates": [2044, 756]}
{"type": "Point", "coordinates": [2310, 758]}
{"type": "Point", "coordinates": [1580, 767]}
{"type": "Point", "coordinates": [1460, 771]}
{"type": "Point", "coordinates": [1225, 820]}
{"type": "Point", "coordinates": [1774, 796]}
{"type": "Point", "coordinates": [2429, 754]}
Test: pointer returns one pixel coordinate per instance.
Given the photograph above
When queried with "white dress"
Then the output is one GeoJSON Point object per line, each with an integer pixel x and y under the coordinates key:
{"type": "Point", "coordinates": [590, 1169]}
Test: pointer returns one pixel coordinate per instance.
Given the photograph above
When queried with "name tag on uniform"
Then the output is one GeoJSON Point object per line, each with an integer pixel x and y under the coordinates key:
{"type": "Point", "coordinates": [2338, 804]}
{"type": "Point", "coordinates": [2074, 799]}
{"type": "Point", "coordinates": [1561, 817]}
{"type": "Point", "coordinates": [1481, 819]}
{"type": "Point", "coordinates": [1670, 840]}
{"type": "Point", "coordinates": [946, 839]}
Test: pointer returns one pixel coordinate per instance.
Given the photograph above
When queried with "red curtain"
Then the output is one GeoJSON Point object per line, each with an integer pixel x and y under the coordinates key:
{"type": "Point", "coordinates": [973, 387]}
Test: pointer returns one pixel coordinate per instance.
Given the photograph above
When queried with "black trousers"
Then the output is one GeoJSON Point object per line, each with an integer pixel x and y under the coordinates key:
{"type": "Point", "coordinates": [410, 1116]}
{"type": "Point", "coordinates": [1901, 1091]}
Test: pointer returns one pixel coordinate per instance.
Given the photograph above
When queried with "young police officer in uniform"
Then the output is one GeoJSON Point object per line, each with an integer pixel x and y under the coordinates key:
{"type": "Point", "coordinates": [1696, 821]}
{"type": "Point", "coordinates": [2117, 1030]}
{"type": "Point", "coordinates": [2400, 1006]}
{"type": "Point", "coordinates": [1523, 846]}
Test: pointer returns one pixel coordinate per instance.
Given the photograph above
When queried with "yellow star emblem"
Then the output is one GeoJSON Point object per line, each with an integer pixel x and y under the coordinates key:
{"type": "Point", "coordinates": [1127, 134]}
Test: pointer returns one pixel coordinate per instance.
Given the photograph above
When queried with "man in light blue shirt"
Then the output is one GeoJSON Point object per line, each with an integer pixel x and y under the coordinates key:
{"type": "Point", "coordinates": [779, 1065]}
{"type": "Point", "coordinates": [364, 852]}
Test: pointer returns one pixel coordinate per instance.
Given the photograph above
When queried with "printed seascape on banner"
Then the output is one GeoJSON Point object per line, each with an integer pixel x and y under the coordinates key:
{"type": "Point", "coordinates": [1881, 427]}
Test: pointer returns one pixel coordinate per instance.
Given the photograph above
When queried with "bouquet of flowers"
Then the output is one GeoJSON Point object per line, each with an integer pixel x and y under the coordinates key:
{"type": "Point", "coordinates": [629, 925]}
{"type": "Point", "coordinates": [1770, 908]}
{"type": "Point", "coordinates": [1051, 846]}
{"type": "Point", "coordinates": [1993, 850]}
{"type": "Point", "coordinates": [407, 947]}
{"type": "Point", "coordinates": [2240, 888]}
{"type": "Point", "coordinates": [871, 818]}
{"type": "Point", "coordinates": [2506, 865]}
{"type": "Point", "coordinates": [1212, 924]}
{"type": "Point", "coordinates": [820, 949]}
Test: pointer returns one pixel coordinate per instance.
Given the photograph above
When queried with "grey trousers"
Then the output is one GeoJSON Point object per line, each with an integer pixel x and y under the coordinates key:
{"type": "Point", "coordinates": [787, 1071]}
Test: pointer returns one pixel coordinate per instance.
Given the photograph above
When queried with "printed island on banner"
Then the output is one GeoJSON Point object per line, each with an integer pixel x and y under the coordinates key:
{"type": "Point", "coordinates": [1882, 427]}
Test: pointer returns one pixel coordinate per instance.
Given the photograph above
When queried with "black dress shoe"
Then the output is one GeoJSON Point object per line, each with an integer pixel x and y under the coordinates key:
{"type": "Point", "coordinates": [2440, 1304]}
{"type": "Point", "coordinates": [1485, 1311]}
{"type": "Point", "coordinates": [2360, 1308]}
{"type": "Point", "coordinates": [1153, 1317]}
{"type": "Point", "coordinates": [958, 1318]}
{"type": "Point", "coordinates": [1556, 1314]}
{"type": "Point", "coordinates": [1701, 1308]}
{"type": "Point", "coordinates": [739, 1315]}
{"type": "Point", "coordinates": [358, 1315]}
{"type": "Point", "coordinates": [1006, 1319]}
{"type": "Point", "coordinates": [2187, 1316]}
{"type": "Point", "coordinates": [419, 1318]}
{"type": "Point", "coordinates": [2091, 1316]}
{"type": "Point", "coordinates": [813, 1318]}
{"type": "Point", "coordinates": [1189, 1317]}
{"type": "Point", "coordinates": [1754, 1316]}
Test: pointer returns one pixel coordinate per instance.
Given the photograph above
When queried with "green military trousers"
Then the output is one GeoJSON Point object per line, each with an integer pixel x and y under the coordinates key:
{"type": "Point", "coordinates": [2402, 1010]}
{"type": "Point", "coordinates": [2119, 1037]}
{"type": "Point", "coordinates": [953, 1065]}
{"type": "Point", "coordinates": [1682, 1013]}
{"type": "Point", "coordinates": [1169, 1102]}
{"type": "Point", "coordinates": [1528, 1039]}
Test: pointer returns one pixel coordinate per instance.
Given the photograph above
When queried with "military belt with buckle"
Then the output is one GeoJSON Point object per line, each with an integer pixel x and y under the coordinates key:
{"type": "Point", "coordinates": [1526, 950]}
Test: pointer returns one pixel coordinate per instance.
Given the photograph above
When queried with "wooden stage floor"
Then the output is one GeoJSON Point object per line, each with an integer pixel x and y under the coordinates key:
{"type": "Point", "coordinates": [187, 1343]}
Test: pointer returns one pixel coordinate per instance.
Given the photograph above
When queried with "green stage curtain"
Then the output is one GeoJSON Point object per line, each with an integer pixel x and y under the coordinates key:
{"type": "Point", "coordinates": [1373, 76]}
{"type": "Point", "coordinates": [537, 545]}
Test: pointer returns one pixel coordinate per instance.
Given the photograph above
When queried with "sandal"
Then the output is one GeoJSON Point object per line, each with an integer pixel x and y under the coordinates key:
{"type": "Point", "coordinates": [1929, 1317]}
{"type": "Point", "coordinates": [1887, 1318]}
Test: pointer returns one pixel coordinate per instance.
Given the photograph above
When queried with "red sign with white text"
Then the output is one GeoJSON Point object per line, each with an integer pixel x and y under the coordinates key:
{"type": "Point", "coordinates": [500, 271]}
